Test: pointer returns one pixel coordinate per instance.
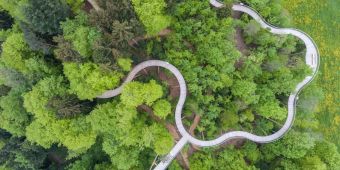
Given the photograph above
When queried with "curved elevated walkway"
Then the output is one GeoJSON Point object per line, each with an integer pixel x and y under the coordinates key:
{"type": "Point", "coordinates": [312, 60]}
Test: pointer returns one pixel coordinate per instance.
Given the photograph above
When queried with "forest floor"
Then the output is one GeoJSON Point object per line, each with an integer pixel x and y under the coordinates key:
{"type": "Point", "coordinates": [321, 20]}
{"type": "Point", "coordinates": [240, 43]}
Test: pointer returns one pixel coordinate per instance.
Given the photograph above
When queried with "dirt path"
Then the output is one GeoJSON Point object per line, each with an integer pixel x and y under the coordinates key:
{"type": "Point", "coordinates": [240, 44]}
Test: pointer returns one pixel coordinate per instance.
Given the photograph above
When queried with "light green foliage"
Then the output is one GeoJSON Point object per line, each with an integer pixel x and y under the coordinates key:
{"type": "Point", "coordinates": [15, 51]}
{"type": "Point", "coordinates": [162, 140]}
{"type": "Point", "coordinates": [14, 7]}
{"type": "Point", "coordinates": [136, 93]}
{"type": "Point", "coordinates": [38, 68]}
{"type": "Point", "coordinates": [272, 109]}
{"type": "Point", "coordinates": [75, 4]}
{"type": "Point", "coordinates": [200, 161]}
{"type": "Point", "coordinates": [121, 156]}
{"type": "Point", "coordinates": [17, 55]}
{"type": "Point", "coordinates": [4, 34]}
{"type": "Point", "coordinates": [41, 133]}
{"type": "Point", "coordinates": [83, 39]}
{"type": "Point", "coordinates": [252, 66]}
{"type": "Point", "coordinates": [229, 119]}
{"type": "Point", "coordinates": [45, 130]}
{"type": "Point", "coordinates": [123, 116]}
{"type": "Point", "coordinates": [313, 162]}
{"type": "Point", "coordinates": [88, 80]}
{"type": "Point", "coordinates": [109, 115]}
{"type": "Point", "coordinates": [13, 116]}
{"type": "Point", "coordinates": [175, 166]}
{"type": "Point", "coordinates": [75, 134]}
{"type": "Point", "coordinates": [80, 34]}
{"type": "Point", "coordinates": [251, 152]}
{"type": "Point", "coordinates": [120, 116]}
{"type": "Point", "coordinates": [245, 90]}
{"type": "Point", "coordinates": [151, 14]}
{"type": "Point", "coordinates": [3, 167]}
{"type": "Point", "coordinates": [288, 164]}
{"type": "Point", "coordinates": [283, 82]}
{"type": "Point", "coordinates": [247, 116]}
{"type": "Point", "coordinates": [328, 153]}
{"type": "Point", "coordinates": [124, 63]}
{"type": "Point", "coordinates": [35, 100]}
{"type": "Point", "coordinates": [232, 159]}
{"type": "Point", "coordinates": [162, 108]}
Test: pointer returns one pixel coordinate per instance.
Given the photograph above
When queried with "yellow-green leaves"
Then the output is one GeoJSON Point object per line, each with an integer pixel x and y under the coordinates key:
{"type": "Point", "coordinates": [13, 117]}
{"type": "Point", "coordinates": [245, 90]}
{"type": "Point", "coordinates": [76, 134]}
{"type": "Point", "coordinates": [15, 52]}
{"type": "Point", "coordinates": [124, 63]}
{"type": "Point", "coordinates": [272, 109]}
{"type": "Point", "coordinates": [136, 93]}
{"type": "Point", "coordinates": [162, 108]}
{"type": "Point", "coordinates": [75, 4]}
{"type": "Point", "coordinates": [88, 80]}
{"type": "Point", "coordinates": [151, 14]}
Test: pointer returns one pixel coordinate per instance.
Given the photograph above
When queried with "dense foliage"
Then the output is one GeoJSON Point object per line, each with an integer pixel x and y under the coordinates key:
{"type": "Point", "coordinates": [57, 56]}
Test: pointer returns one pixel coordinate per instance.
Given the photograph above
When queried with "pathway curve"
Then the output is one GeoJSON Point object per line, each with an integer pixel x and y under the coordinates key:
{"type": "Point", "coordinates": [311, 58]}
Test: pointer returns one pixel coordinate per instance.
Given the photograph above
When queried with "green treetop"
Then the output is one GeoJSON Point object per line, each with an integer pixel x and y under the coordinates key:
{"type": "Point", "coordinates": [151, 14]}
{"type": "Point", "coordinates": [88, 80]}
{"type": "Point", "coordinates": [162, 108]}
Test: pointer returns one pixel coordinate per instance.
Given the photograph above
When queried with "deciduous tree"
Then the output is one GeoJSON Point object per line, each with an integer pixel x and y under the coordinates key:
{"type": "Point", "coordinates": [88, 80]}
{"type": "Point", "coordinates": [152, 15]}
{"type": "Point", "coordinates": [80, 34]}
{"type": "Point", "coordinates": [13, 116]}
{"type": "Point", "coordinates": [15, 51]}
{"type": "Point", "coordinates": [245, 90]}
{"type": "Point", "coordinates": [162, 108]}
{"type": "Point", "coordinates": [136, 93]}
{"type": "Point", "coordinates": [288, 147]}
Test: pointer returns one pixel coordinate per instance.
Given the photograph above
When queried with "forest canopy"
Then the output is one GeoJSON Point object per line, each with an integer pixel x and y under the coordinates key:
{"type": "Point", "coordinates": [57, 56]}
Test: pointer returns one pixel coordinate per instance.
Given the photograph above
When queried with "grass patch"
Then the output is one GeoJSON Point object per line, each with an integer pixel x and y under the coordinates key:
{"type": "Point", "coordinates": [321, 20]}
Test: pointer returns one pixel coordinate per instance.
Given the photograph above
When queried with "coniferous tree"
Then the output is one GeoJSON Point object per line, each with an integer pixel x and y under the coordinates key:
{"type": "Point", "coordinates": [69, 106]}
{"type": "Point", "coordinates": [45, 16]}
